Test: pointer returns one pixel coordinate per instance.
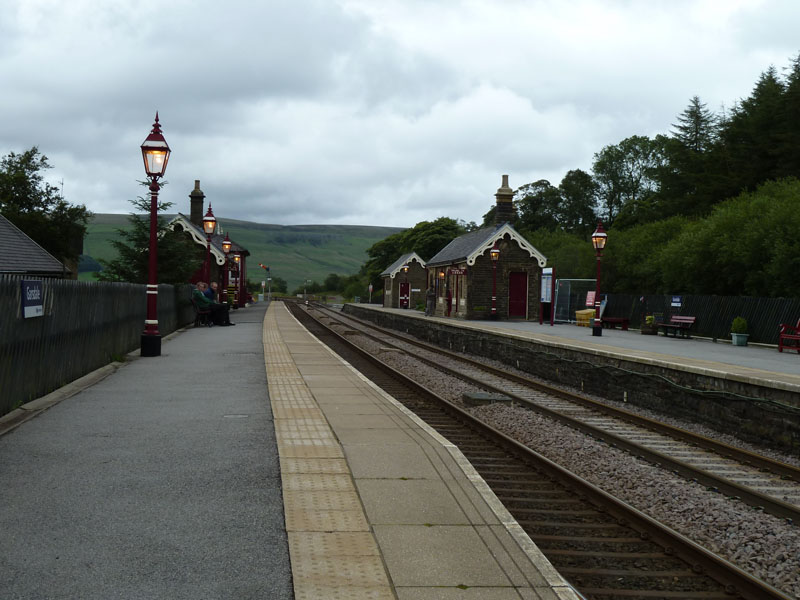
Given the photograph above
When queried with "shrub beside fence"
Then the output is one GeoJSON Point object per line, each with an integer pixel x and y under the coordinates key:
{"type": "Point", "coordinates": [85, 326]}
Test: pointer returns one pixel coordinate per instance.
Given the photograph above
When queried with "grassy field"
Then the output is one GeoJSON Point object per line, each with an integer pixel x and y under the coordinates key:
{"type": "Point", "coordinates": [293, 252]}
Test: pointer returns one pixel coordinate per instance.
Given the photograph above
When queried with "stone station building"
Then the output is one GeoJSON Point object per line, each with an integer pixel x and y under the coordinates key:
{"type": "Point", "coordinates": [465, 276]}
{"type": "Point", "coordinates": [405, 282]}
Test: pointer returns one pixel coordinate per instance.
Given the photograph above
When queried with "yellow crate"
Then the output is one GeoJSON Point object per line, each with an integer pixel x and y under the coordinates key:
{"type": "Point", "coordinates": [584, 318]}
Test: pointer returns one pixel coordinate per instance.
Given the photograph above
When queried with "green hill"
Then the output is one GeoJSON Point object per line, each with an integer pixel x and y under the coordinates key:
{"type": "Point", "coordinates": [293, 252]}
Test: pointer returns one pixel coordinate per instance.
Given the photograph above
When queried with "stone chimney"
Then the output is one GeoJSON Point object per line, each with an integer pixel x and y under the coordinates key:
{"type": "Point", "coordinates": [198, 201]}
{"type": "Point", "coordinates": [504, 213]}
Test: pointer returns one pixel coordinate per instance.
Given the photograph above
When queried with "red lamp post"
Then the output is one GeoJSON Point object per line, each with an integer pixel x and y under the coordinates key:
{"type": "Point", "coordinates": [599, 238]}
{"type": "Point", "coordinates": [209, 225]}
{"type": "Point", "coordinates": [238, 294]}
{"type": "Point", "coordinates": [494, 253]}
{"type": "Point", "coordinates": [226, 248]}
{"type": "Point", "coordinates": [405, 301]}
{"type": "Point", "coordinates": [155, 152]}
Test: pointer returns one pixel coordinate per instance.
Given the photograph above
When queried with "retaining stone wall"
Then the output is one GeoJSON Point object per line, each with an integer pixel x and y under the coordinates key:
{"type": "Point", "coordinates": [753, 412]}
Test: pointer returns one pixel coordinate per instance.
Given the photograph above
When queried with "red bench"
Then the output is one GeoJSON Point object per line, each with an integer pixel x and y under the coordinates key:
{"type": "Point", "coordinates": [612, 322]}
{"type": "Point", "coordinates": [678, 324]}
{"type": "Point", "coordinates": [789, 337]}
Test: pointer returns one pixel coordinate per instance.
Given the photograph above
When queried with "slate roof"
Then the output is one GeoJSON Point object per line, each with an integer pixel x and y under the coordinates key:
{"type": "Point", "coordinates": [460, 248]}
{"type": "Point", "coordinates": [20, 254]}
{"type": "Point", "coordinates": [468, 247]}
{"type": "Point", "coordinates": [392, 269]}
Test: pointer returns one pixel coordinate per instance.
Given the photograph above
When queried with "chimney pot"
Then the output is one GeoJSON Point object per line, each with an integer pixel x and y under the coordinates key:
{"type": "Point", "coordinates": [197, 199]}
{"type": "Point", "coordinates": [504, 212]}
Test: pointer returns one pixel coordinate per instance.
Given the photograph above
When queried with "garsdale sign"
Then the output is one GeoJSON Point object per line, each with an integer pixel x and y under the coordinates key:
{"type": "Point", "coordinates": [32, 298]}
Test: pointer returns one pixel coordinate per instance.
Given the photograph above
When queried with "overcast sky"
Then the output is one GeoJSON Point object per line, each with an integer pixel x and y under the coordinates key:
{"type": "Point", "coordinates": [362, 112]}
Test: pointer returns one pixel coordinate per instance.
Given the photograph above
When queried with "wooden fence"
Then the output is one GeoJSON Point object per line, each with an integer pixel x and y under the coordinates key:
{"type": "Point", "coordinates": [85, 325]}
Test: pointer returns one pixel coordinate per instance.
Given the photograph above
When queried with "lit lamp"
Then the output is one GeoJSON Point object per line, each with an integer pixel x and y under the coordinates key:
{"type": "Point", "coordinates": [209, 225]}
{"type": "Point", "coordinates": [226, 248]}
{"type": "Point", "coordinates": [155, 153]}
{"type": "Point", "coordinates": [599, 238]}
{"type": "Point", "coordinates": [494, 253]}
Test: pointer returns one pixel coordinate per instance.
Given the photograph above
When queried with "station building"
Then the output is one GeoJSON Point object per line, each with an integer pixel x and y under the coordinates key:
{"type": "Point", "coordinates": [492, 272]}
{"type": "Point", "coordinates": [234, 263]}
{"type": "Point", "coordinates": [404, 282]}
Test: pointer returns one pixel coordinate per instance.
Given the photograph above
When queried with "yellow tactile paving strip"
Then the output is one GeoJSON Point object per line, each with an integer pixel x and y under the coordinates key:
{"type": "Point", "coordinates": [405, 515]}
{"type": "Point", "coordinates": [333, 552]}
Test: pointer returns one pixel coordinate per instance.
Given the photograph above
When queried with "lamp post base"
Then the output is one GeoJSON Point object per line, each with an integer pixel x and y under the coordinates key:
{"type": "Point", "coordinates": [151, 345]}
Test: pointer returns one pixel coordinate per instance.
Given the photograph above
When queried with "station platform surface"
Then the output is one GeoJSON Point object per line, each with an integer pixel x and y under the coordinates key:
{"type": "Point", "coordinates": [248, 462]}
{"type": "Point", "coordinates": [755, 363]}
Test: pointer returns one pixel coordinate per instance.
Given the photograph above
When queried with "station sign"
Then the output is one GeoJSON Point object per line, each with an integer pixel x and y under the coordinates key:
{"type": "Point", "coordinates": [32, 298]}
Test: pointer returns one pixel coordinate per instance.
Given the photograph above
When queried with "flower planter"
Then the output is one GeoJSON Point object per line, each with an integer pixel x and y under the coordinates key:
{"type": "Point", "coordinates": [739, 339]}
{"type": "Point", "coordinates": [649, 329]}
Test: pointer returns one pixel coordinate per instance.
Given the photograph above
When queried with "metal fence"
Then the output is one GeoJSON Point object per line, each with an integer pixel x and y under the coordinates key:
{"type": "Point", "coordinates": [85, 325]}
{"type": "Point", "coordinates": [714, 313]}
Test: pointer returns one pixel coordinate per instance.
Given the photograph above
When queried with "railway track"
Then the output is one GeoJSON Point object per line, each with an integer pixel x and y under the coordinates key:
{"type": "Point", "coordinates": [756, 480]}
{"type": "Point", "coordinates": [605, 548]}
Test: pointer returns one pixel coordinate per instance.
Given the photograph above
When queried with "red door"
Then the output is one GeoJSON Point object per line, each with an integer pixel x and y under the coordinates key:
{"type": "Point", "coordinates": [518, 295]}
{"type": "Point", "coordinates": [404, 290]}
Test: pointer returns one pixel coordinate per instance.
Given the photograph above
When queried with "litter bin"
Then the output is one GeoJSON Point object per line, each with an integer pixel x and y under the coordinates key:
{"type": "Point", "coordinates": [597, 327]}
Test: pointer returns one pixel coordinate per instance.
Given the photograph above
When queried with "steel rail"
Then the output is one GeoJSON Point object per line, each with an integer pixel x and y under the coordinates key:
{"type": "Point", "coordinates": [751, 497]}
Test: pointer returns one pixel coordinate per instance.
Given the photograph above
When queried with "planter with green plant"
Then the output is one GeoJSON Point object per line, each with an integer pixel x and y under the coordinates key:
{"type": "Point", "coordinates": [739, 333]}
{"type": "Point", "coordinates": [649, 326]}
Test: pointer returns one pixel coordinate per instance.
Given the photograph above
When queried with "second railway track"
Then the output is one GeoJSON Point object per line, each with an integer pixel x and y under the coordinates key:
{"type": "Point", "coordinates": [757, 480]}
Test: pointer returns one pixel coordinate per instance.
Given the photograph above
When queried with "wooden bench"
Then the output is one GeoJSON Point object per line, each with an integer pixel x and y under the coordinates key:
{"type": "Point", "coordinates": [678, 324]}
{"type": "Point", "coordinates": [612, 322]}
{"type": "Point", "coordinates": [202, 316]}
{"type": "Point", "coordinates": [789, 337]}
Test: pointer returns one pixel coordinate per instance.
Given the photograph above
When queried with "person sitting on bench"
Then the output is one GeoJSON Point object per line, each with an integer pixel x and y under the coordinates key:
{"type": "Point", "coordinates": [219, 311]}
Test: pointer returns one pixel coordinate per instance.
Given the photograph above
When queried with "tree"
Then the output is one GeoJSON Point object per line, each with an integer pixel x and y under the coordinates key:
{"type": "Point", "coordinates": [278, 285]}
{"type": "Point", "coordinates": [538, 205]}
{"type": "Point", "coordinates": [426, 238]}
{"type": "Point", "coordinates": [752, 135]}
{"type": "Point", "coordinates": [789, 137]}
{"type": "Point", "coordinates": [571, 254]}
{"type": "Point", "coordinates": [578, 201]}
{"type": "Point", "coordinates": [626, 175]}
{"type": "Point", "coordinates": [38, 208]}
{"type": "Point", "coordinates": [688, 178]}
{"type": "Point", "coordinates": [696, 129]}
{"type": "Point", "coordinates": [333, 282]}
{"type": "Point", "coordinates": [178, 256]}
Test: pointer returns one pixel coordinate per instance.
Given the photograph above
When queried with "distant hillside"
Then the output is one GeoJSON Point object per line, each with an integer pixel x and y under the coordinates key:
{"type": "Point", "coordinates": [293, 252]}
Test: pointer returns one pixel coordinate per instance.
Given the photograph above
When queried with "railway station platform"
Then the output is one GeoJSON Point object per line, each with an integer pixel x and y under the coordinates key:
{"type": "Point", "coordinates": [755, 363]}
{"type": "Point", "coordinates": [248, 462]}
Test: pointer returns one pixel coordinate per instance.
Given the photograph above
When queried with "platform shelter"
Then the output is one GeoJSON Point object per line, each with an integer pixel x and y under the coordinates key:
{"type": "Point", "coordinates": [404, 282]}
{"type": "Point", "coordinates": [234, 262]}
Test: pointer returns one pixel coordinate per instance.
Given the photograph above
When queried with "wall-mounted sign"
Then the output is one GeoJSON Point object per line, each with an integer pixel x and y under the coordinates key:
{"type": "Point", "coordinates": [590, 298]}
{"type": "Point", "coordinates": [32, 298]}
{"type": "Point", "coordinates": [677, 301]}
{"type": "Point", "coordinates": [458, 271]}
